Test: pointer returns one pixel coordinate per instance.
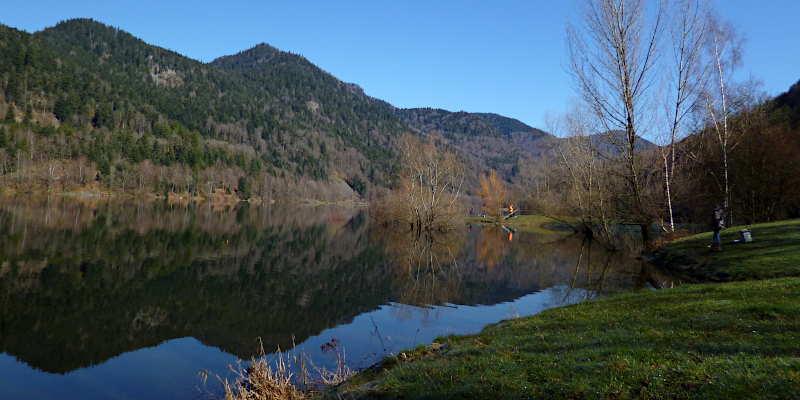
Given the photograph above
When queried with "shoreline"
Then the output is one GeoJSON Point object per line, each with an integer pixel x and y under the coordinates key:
{"type": "Point", "coordinates": [531, 223]}
{"type": "Point", "coordinates": [217, 199]}
{"type": "Point", "coordinates": [731, 332]}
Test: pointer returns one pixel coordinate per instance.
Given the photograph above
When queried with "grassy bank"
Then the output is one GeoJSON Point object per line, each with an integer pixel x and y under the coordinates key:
{"type": "Point", "coordinates": [718, 340]}
{"type": "Point", "coordinates": [538, 224]}
{"type": "Point", "coordinates": [774, 253]}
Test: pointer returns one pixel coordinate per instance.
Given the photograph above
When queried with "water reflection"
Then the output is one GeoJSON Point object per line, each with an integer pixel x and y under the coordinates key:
{"type": "Point", "coordinates": [86, 287]}
{"type": "Point", "coordinates": [493, 244]}
{"type": "Point", "coordinates": [84, 283]}
{"type": "Point", "coordinates": [426, 267]}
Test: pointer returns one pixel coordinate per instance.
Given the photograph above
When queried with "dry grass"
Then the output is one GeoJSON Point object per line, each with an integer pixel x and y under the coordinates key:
{"type": "Point", "coordinates": [260, 381]}
{"type": "Point", "coordinates": [339, 375]}
{"type": "Point", "coordinates": [263, 380]}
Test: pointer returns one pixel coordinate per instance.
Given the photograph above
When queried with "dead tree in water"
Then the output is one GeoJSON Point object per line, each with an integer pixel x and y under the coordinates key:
{"type": "Point", "coordinates": [427, 196]}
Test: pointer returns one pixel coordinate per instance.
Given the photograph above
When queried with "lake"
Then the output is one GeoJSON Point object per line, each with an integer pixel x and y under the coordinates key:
{"type": "Point", "coordinates": [131, 300]}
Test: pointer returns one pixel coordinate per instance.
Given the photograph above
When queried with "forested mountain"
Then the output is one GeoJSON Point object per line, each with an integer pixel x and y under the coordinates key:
{"type": "Point", "coordinates": [83, 96]}
{"type": "Point", "coordinates": [85, 102]}
{"type": "Point", "coordinates": [262, 114]}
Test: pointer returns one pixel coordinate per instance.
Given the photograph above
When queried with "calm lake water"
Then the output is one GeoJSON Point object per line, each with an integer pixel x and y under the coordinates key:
{"type": "Point", "coordinates": [132, 301]}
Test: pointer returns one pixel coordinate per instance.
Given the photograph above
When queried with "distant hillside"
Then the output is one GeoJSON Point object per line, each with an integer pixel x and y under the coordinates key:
{"type": "Point", "coordinates": [486, 140]}
{"type": "Point", "coordinates": [610, 143]}
{"type": "Point", "coordinates": [788, 104]}
{"type": "Point", "coordinates": [790, 98]}
{"type": "Point", "coordinates": [463, 124]}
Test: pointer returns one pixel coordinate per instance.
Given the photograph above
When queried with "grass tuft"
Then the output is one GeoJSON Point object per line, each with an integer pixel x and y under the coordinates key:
{"type": "Point", "coordinates": [263, 380]}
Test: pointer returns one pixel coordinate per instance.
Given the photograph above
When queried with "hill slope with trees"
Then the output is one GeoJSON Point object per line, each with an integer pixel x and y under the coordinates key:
{"type": "Point", "coordinates": [84, 101]}
{"type": "Point", "coordinates": [262, 115]}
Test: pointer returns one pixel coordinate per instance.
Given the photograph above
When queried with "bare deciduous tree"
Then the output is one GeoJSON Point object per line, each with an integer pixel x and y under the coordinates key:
{"type": "Point", "coordinates": [427, 196]}
{"type": "Point", "coordinates": [493, 194]}
{"type": "Point", "coordinates": [612, 59]}
{"type": "Point", "coordinates": [589, 183]}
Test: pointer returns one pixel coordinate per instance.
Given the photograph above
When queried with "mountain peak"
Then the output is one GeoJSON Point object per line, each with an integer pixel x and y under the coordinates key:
{"type": "Point", "coordinates": [92, 36]}
{"type": "Point", "coordinates": [262, 49]}
{"type": "Point", "coordinates": [260, 54]}
{"type": "Point", "coordinates": [82, 24]}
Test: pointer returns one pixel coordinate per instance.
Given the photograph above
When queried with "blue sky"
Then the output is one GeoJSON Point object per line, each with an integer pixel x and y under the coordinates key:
{"type": "Point", "coordinates": [503, 56]}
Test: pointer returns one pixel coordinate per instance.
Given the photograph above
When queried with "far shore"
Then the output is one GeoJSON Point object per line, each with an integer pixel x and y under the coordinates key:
{"type": "Point", "coordinates": [220, 198]}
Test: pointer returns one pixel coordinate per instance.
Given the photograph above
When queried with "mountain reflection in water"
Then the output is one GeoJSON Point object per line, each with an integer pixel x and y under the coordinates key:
{"type": "Point", "coordinates": [99, 295]}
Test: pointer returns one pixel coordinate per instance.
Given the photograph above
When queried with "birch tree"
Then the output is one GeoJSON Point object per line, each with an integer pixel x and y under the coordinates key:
{"type": "Point", "coordinates": [723, 52]}
{"type": "Point", "coordinates": [686, 78]}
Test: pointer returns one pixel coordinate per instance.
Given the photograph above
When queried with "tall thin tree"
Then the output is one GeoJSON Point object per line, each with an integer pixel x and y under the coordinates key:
{"type": "Point", "coordinates": [723, 52]}
{"type": "Point", "coordinates": [612, 59]}
{"type": "Point", "coordinates": [685, 80]}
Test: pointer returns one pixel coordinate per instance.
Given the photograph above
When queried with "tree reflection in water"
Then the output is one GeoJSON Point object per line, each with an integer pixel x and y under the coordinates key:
{"type": "Point", "coordinates": [426, 267]}
{"type": "Point", "coordinates": [482, 266]}
{"type": "Point", "coordinates": [493, 244]}
{"type": "Point", "coordinates": [91, 280]}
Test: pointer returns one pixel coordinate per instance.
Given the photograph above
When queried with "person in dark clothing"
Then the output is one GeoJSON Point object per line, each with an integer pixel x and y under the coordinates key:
{"type": "Point", "coordinates": [717, 224]}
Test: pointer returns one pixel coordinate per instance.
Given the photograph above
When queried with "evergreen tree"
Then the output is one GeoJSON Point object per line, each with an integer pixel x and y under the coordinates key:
{"type": "Point", "coordinates": [64, 108]}
{"type": "Point", "coordinates": [255, 166]}
{"type": "Point", "coordinates": [244, 188]}
{"type": "Point", "coordinates": [13, 90]}
{"type": "Point", "coordinates": [28, 115]}
{"type": "Point", "coordinates": [10, 114]}
{"type": "Point", "coordinates": [103, 116]}
{"type": "Point", "coordinates": [3, 139]}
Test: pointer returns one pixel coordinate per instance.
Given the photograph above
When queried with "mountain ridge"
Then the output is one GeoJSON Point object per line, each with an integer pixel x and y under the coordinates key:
{"type": "Point", "coordinates": [261, 118]}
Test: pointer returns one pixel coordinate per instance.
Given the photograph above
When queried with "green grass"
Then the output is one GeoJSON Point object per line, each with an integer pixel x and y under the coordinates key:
{"type": "Point", "coordinates": [725, 341]}
{"type": "Point", "coordinates": [705, 341]}
{"type": "Point", "coordinates": [537, 224]}
{"type": "Point", "coordinates": [774, 253]}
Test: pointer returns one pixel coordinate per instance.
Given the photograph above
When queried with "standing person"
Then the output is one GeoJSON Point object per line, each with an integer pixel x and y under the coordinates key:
{"type": "Point", "coordinates": [717, 224]}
